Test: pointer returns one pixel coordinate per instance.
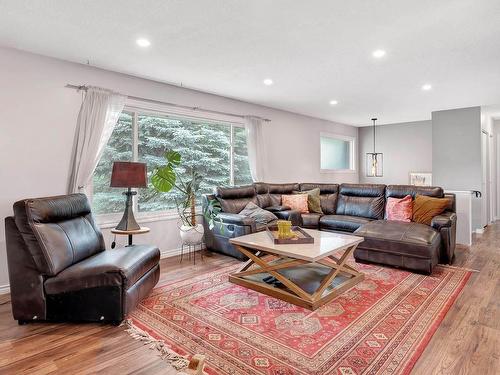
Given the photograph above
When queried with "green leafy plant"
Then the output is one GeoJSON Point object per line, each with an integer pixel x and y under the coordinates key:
{"type": "Point", "coordinates": [166, 178]}
{"type": "Point", "coordinates": [212, 210]}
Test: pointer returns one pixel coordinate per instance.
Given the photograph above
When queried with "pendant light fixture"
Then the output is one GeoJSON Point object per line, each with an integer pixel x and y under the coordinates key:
{"type": "Point", "coordinates": [374, 160]}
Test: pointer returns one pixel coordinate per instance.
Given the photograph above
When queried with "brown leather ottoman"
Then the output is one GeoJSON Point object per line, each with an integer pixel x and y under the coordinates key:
{"type": "Point", "coordinates": [412, 246]}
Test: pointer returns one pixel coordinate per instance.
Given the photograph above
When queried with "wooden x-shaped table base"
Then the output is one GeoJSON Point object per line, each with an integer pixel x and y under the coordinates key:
{"type": "Point", "coordinates": [328, 289]}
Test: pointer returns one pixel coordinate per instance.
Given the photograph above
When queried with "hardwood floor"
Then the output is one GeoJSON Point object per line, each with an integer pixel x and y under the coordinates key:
{"type": "Point", "coordinates": [466, 342]}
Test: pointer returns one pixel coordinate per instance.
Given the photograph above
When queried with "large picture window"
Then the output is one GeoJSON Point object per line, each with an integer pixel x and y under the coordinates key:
{"type": "Point", "coordinates": [217, 150]}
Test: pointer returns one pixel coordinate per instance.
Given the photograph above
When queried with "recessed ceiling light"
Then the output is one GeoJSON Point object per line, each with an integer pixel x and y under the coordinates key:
{"type": "Point", "coordinates": [142, 42]}
{"type": "Point", "coordinates": [378, 53]}
{"type": "Point", "coordinates": [268, 82]}
{"type": "Point", "coordinates": [427, 87]}
{"type": "Point", "coordinates": [334, 102]}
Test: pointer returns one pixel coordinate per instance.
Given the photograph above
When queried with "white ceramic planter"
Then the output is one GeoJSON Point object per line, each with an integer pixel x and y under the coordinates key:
{"type": "Point", "coordinates": [191, 235]}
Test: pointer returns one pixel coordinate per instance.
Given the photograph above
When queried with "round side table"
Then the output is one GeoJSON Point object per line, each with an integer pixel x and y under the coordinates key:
{"type": "Point", "coordinates": [128, 233]}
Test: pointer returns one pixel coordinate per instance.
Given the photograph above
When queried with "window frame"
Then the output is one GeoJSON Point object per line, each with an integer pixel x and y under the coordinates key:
{"type": "Point", "coordinates": [109, 220]}
{"type": "Point", "coordinates": [352, 152]}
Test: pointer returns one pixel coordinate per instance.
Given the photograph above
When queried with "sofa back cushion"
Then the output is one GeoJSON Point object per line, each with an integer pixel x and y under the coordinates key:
{"type": "Point", "coordinates": [364, 200]}
{"type": "Point", "coordinates": [328, 196]}
{"type": "Point", "coordinates": [270, 194]}
{"type": "Point", "coordinates": [400, 191]}
{"type": "Point", "coordinates": [58, 231]}
{"type": "Point", "coordinates": [263, 199]}
{"type": "Point", "coordinates": [234, 199]}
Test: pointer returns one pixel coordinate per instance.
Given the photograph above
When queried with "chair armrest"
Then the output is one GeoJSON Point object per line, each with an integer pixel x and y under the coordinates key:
{"type": "Point", "coordinates": [445, 220]}
{"type": "Point", "coordinates": [236, 219]}
{"type": "Point", "coordinates": [277, 208]}
{"type": "Point", "coordinates": [292, 215]}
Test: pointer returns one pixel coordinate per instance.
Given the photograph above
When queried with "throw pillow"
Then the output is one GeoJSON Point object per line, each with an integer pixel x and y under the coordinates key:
{"type": "Point", "coordinates": [399, 208]}
{"type": "Point", "coordinates": [313, 200]}
{"type": "Point", "coordinates": [425, 208]}
{"type": "Point", "coordinates": [260, 215]}
{"type": "Point", "coordinates": [296, 202]}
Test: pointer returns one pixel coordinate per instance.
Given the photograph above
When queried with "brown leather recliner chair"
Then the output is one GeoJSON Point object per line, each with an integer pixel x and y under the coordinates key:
{"type": "Point", "coordinates": [59, 269]}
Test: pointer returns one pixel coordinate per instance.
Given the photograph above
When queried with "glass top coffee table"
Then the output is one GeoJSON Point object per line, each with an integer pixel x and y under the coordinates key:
{"type": "Point", "coordinates": [307, 275]}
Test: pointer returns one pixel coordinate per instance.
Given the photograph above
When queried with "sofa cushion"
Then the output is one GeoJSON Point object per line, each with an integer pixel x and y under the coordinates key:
{"type": "Point", "coordinates": [275, 191]}
{"type": "Point", "coordinates": [118, 267]}
{"type": "Point", "coordinates": [310, 220]}
{"type": "Point", "coordinates": [260, 215]}
{"type": "Point", "coordinates": [344, 223]}
{"type": "Point", "coordinates": [400, 238]}
{"type": "Point", "coordinates": [399, 208]}
{"type": "Point", "coordinates": [58, 231]}
{"type": "Point", "coordinates": [400, 191]}
{"type": "Point", "coordinates": [234, 199]}
{"type": "Point", "coordinates": [365, 200]}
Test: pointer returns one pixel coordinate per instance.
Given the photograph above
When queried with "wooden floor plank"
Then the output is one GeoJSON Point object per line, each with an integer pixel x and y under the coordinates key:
{"type": "Point", "coordinates": [467, 341]}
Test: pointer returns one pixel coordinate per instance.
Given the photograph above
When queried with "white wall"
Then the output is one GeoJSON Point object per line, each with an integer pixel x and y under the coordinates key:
{"type": "Point", "coordinates": [407, 147]}
{"type": "Point", "coordinates": [38, 118]}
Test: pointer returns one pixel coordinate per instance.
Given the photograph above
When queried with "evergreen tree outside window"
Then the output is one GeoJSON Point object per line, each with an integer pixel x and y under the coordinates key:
{"type": "Point", "coordinates": [217, 150]}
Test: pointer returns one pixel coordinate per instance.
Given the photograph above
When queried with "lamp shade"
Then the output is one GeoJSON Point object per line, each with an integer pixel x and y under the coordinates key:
{"type": "Point", "coordinates": [128, 174]}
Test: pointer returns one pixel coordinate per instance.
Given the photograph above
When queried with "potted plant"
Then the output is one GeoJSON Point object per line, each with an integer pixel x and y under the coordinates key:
{"type": "Point", "coordinates": [164, 179]}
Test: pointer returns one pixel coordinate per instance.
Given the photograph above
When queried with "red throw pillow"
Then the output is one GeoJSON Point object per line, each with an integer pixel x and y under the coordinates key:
{"type": "Point", "coordinates": [296, 202]}
{"type": "Point", "coordinates": [399, 208]}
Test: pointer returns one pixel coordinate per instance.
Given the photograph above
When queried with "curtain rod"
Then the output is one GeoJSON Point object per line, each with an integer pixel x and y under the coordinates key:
{"type": "Point", "coordinates": [153, 101]}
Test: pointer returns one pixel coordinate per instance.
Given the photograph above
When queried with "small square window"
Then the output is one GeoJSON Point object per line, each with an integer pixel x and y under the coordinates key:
{"type": "Point", "coordinates": [337, 153]}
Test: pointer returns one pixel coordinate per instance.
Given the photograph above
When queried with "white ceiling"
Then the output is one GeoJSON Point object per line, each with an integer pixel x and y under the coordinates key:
{"type": "Point", "coordinates": [315, 51]}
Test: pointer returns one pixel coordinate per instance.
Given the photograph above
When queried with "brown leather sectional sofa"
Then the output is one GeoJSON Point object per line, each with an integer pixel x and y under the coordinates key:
{"type": "Point", "coordinates": [347, 208]}
{"type": "Point", "coordinates": [59, 269]}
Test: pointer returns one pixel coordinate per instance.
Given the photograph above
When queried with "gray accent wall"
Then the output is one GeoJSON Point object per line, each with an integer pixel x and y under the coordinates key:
{"type": "Point", "coordinates": [407, 147]}
{"type": "Point", "coordinates": [456, 150]}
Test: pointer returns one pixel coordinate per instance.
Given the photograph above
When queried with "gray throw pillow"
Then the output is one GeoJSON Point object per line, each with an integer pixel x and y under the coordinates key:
{"type": "Point", "coordinates": [260, 215]}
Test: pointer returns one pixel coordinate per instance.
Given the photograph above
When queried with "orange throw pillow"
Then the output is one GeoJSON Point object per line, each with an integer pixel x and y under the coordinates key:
{"type": "Point", "coordinates": [425, 208]}
{"type": "Point", "coordinates": [296, 202]}
{"type": "Point", "coordinates": [400, 209]}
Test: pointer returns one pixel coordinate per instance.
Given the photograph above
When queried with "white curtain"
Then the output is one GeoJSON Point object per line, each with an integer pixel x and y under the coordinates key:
{"type": "Point", "coordinates": [256, 147]}
{"type": "Point", "coordinates": [97, 118]}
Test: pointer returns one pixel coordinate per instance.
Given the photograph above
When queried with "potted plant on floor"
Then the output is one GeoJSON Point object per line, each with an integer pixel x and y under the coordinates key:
{"type": "Point", "coordinates": [165, 178]}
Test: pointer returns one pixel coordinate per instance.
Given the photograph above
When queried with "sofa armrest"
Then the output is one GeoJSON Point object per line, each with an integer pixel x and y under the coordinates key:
{"type": "Point", "coordinates": [446, 224]}
{"type": "Point", "coordinates": [445, 220]}
{"type": "Point", "coordinates": [274, 209]}
{"type": "Point", "coordinates": [292, 215]}
{"type": "Point", "coordinates": [235, 219]}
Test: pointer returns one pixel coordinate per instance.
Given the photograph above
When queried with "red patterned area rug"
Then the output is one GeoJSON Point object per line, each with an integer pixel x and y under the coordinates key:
{"type": "Point", "coordinates": [380, 326]}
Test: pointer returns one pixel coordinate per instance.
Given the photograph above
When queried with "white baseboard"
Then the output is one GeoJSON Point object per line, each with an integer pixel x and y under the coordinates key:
{"type": "Point", "coordinates": [4, 289]}
{"type": "Point", "coordinates": [170, 253]}
{"type": "Point", "coordinates": [173, 252]}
